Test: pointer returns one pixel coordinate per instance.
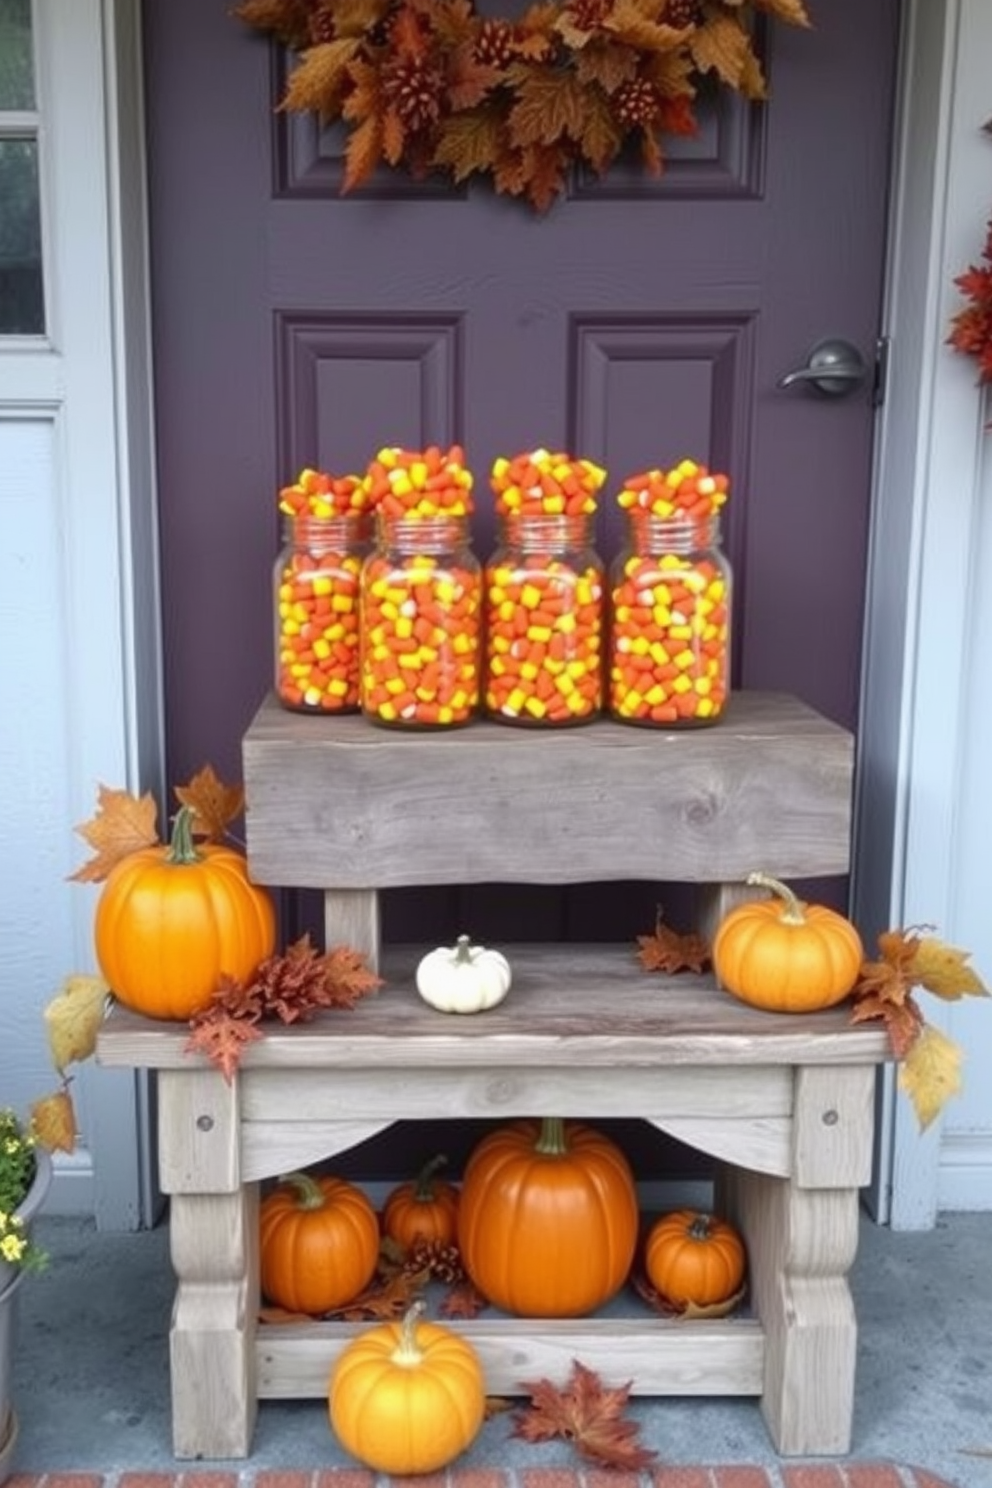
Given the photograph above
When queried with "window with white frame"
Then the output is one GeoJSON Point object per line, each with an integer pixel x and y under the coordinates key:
{"type": "Point", "coordinates": [22, 295]}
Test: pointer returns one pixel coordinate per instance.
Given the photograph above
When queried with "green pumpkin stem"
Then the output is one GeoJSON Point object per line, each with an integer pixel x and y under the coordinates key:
{"type": "Point", "coordinates": [424, 1188]}
{"type": "Point", "coordinates": [792, 914]}
{"type": "Point", "coordinates": [406, 1352]}
{"type": "Point", "coordinates": [182, 848]}
{"type": "Point", "coordinates": [309, 1194]}
{"type": "Point", "coordinates": [551, 1138]}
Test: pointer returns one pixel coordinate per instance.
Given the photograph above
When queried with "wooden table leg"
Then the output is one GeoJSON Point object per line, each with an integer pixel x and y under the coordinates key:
{"type": "Point", "coordinates": [212, 1340]}
{"type": "Point", "coordinates": [213, 1233]}
{"type": "Point", "coordinates": [802, 1236]}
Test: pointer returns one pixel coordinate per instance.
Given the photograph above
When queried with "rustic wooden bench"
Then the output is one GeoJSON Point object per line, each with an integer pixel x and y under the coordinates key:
{"type": "Point", "coordinates": [783, 1103]}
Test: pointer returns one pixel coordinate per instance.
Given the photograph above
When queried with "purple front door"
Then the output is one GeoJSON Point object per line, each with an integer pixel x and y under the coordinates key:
{"type": "Point", "coordinates": [637, 322]}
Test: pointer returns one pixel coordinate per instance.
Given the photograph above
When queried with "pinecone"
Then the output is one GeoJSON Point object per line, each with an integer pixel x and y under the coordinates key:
{"type": "Point", "coordinates": [321, 23]}
{"type": "Point", "coordinates": [636, 103]}
{"type": "Point", "coordinates": [442, 1261]}
{"type": "Point", "coordinates": [586, 15]}
{"type": "Point", "coordinates": [494, 47]}
{"type": "Point", "coordinates": [413, 88]}
{"type": "Point", "coordinates": [682, 13]}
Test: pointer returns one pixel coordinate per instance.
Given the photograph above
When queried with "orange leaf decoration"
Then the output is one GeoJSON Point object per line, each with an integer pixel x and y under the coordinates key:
{"type": "Point", "coordinates": [668, 952]}
{"type": "Point", "coordinates": [586, 1413]}
{"type": "Point", "coordinates": [214, 805]}
{"type": "Point", "coordinates": [123, 824]}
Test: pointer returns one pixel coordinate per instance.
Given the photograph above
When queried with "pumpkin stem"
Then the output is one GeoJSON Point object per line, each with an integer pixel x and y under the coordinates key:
{"type": "Point", "coordinates": [551, 1139]}
{"type": "Point", "coordinates": [423, 1191]}
{"type": "Point", "coordinates": [406, 1353]}
{"type": "Point", "coordinates": [463, 949]}
{"type": "Point", "coordinates": [182, 848]}
{"type": "Point", "coordinates": [792, 914]}
{"type": "Point", "coordinates": [309, 1194]}
{"type": "Point", "coordinates": [701, 1227]}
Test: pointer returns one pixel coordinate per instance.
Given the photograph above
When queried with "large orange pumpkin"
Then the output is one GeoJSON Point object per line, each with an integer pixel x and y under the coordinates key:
{"type": "Point", "coordinates": [423, 1211]}
{"type": "Point", "coordinates": [170, 921]}
{"type": "Point", "coordinates": [694, 1258]}
{"type": "Point", "coordinates": [318, 1243]}
{"type": "Point", "coordinates": [407, 1398]}
{"type": "Point", "coordinates": [785, 956]}
{"type": "Point", "coordinates": [548, 1218]}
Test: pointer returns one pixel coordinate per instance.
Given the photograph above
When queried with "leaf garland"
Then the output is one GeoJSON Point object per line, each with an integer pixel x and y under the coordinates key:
{"type": "Point", "coordinates": [433, 85]}
{"type": "Point", "coordinates": [971, 327]}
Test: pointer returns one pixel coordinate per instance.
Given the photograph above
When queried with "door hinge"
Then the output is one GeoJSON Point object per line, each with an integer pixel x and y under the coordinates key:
{"type": "Point", "coordinates": [881, 378]}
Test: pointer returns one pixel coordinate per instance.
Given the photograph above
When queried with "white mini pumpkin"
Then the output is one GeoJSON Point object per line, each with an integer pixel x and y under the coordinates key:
{"type": "Point", "coordinates": [463, 978]}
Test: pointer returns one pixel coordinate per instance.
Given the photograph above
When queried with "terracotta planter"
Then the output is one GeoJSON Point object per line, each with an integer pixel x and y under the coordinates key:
{"type": "Point", "coordinates": [11, 1279]}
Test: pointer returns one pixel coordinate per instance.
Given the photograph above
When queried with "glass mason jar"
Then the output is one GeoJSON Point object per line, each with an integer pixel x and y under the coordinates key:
{"type": "Point", "coordinates": [544, 609]}
{"type": "Point", "coordinates": [315, 603]}
{"type": "Point", "coordinates": [669, 652]}
{"type": "Point", "coordinates": [421, 594]}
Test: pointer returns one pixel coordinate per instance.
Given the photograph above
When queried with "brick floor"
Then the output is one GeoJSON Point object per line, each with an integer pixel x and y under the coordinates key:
{"type": "Point", "coordinates": [819, 1475]}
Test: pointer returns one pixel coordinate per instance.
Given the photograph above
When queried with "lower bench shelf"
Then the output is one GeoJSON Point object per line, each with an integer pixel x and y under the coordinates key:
{"type": "Point", "coordinates": [783, 1103]}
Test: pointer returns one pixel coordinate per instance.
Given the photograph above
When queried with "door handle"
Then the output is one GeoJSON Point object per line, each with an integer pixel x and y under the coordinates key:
{"type": "Point", "coordinates": [834, 367]}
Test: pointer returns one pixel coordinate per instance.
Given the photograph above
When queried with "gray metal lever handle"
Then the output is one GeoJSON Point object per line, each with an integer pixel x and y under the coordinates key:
{"type": "Point", "coordinates": [833, 367]}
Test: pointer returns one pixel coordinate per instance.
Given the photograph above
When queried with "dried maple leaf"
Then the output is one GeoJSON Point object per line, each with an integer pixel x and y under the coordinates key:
{"type": "Point", "coordinates": [547, 107]}
{"type": "Point", "coordinates": [944, 971]}
{"type": "Point", "coordinates": [667, 951]}
{"type": "Point", "coordinates": [384, 1300]}
{"type": "Point", "coordinates": [722, 47]}
{"type": "Point", "coordinates": [288, 20]}
{"type": "Point", "coordinates": [463, 1300]}
{"type": "Point", "coordinates": [586, 1413]}
{"type": "Point", "coordinates": [904, 1022]}
{"type": "Point", "coordinates": [123, 824]}
{"type": "Point", "coordinates": [73, 1018]}
{"type": "Point", "coordinates": [348, 978]}
{"type": "Point", "coordinates": [222, 1038]}
{"type": "Point", "coordinates": [53, 1121]}
{"type": "Point", "coordinates": [214, 805]}
{"type": "Point", "coordinates": [363, 152]}
{"type": "Point", "coordinates": [323, 77]}
{"type": "Point", "coordinates": [930, 1074]}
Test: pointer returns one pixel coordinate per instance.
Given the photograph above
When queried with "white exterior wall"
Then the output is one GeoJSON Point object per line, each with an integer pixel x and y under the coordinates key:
{"type": "Point", "coordinates": [78, 585]}
{"type": "Point", "coordinates": [79, 594]}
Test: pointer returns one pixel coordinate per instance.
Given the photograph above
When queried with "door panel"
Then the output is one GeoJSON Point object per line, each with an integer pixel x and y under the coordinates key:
{"type": "Point", "coordinates": [636, 322]}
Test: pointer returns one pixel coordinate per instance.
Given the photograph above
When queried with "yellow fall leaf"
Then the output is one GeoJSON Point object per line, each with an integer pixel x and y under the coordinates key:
{"type": "Point", "coordinates": [931, 1073]}
{"type": "Point", "coordinates": [73, 1018]}
{"type": "Point", "coordinates": [944, 971]}
{"type": "Point", "coordinates": [53, 1122]}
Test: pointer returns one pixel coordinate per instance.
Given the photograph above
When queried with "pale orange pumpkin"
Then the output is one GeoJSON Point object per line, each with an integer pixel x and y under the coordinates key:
{"type": "Point", "coordinates": [694, 1258]}
{"type": "Point", "coordinates": [318, 1243]}
{"type": "Point", "coordinates": [422, 1211]}
{"type": "Point", "coordinates": [407, 1398]}
{"type": "Point", "coordinates": [548, 1218]}
{"type": "Point", "coordinates": [786, 956]}
{"type": "Point", "coordinates": [172, 920]}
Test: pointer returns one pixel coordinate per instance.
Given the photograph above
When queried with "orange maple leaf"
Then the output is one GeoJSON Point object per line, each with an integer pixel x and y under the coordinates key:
{"type": "Point", "coordinates": [214, 805]}
{"type": "Point", "coordinates": [586, 1413]}
{"type": "Point", "coordinates": [222, 1038]}
{"type": "Point", "coordinates": [123, 824]}
{"type": "Point", "coordinates": [902, 1018]}
{"type": "Point", "coordinates": [667, 951]}
{"type": "Point", "coordinates": [347, 977]}
{"type": "Point", "coordinates": [463, 1300]}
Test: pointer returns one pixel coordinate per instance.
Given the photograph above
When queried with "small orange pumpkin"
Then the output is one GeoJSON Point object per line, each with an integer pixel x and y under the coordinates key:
{"type": "Point", "coordinates": [694, 1258]}
{"type": "Point", "coordinates": [548, 1218]}
{"type": "Point", "coordinates": [407, 1398]}
{"type": "Point", "coordinates": [423, 1211]}
{"type": "Point", "coordinates": [172, 920]}
{"type": "Point", "coordinates": [785, 956]}
{"type": "Point", "coordinates": [318, 1243]}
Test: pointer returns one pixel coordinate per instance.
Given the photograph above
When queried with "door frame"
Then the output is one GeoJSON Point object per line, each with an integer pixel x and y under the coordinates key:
{"type": "Point", "coordinates": [905, 805]}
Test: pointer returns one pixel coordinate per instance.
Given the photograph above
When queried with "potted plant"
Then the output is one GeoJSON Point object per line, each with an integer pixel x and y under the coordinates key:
{"type": "Point", "coordinates": [25, 1176]}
